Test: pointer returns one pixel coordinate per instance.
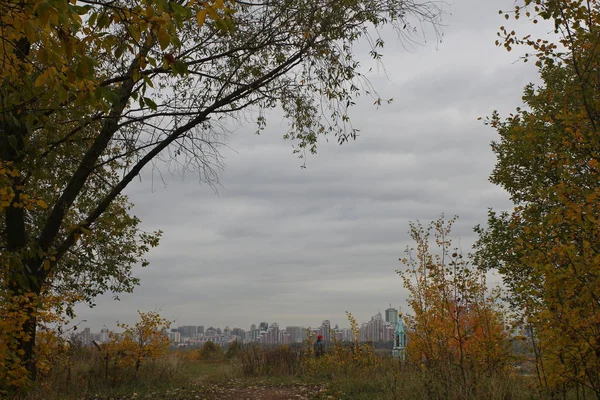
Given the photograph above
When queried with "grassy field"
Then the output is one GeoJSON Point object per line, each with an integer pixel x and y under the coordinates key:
{"type": "Point", "coordinates": [254, 372]}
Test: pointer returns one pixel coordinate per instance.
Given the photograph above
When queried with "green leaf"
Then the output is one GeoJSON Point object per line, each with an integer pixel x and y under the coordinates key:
{"type": "Point", "coordinates": [150, 103]}
{"type": "Point", "coordinates": [179, 9]}
{"type": "Point", "coordinates": [180, 67]}
{"type": "Point", "coordinates": [43, 13]}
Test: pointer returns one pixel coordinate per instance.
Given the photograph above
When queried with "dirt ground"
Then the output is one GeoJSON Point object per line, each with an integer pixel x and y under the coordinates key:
{"type": "Point", "coordinates": [270, 393]}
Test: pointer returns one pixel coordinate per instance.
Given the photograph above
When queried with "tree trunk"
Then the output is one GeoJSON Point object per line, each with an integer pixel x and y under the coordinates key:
{"type": "Point", "coordinates": [25, 275]}
{"type": "Point", "coordinates": [25, 285]}
{"type": "Point", "coordinates": [27, 345]}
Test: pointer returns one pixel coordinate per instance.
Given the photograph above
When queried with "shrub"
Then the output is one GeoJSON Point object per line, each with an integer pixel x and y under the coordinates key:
{"type": "Point", "coordinates": [233, 349]}
{"type": "Point", "coordinates": [210, 351]}
{"type": "Point", "coordinates": [257, 360]}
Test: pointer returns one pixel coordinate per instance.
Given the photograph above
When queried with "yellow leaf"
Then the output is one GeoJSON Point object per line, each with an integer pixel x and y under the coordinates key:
{"type": "Point", "coordinates": [200, 17]}
{"type": "Point", "coordinates": [591, 198]}
{"type": "Point", "coordinates": [40, 80]}
{"type": "Point", "coordinates": [42, 203]}
{"type": "Point", "coordinates": [43, 55]}
{"type": "Point", "coordinates": [213, 13]}
{"type": "Point", "coordinates": [149, 11]}
{"type": "Point", "coordinates": [163, 38]}
{"type": "Point", "coordinates": [53, 16]}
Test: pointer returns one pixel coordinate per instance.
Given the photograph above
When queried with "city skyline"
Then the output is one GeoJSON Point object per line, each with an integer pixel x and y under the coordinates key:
{"type": "Point", "coordinates": [379, 328]}
{"type": "Point", "coordinates": [342, 322]}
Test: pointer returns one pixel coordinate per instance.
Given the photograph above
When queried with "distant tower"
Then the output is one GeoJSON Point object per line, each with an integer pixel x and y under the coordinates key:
{"type": "Point", "coordinates": [104, 337]}
{"type": "Point", "coordinates": [274, 333]}
{"type": "Point", "coordinates": [399, 350]}
{"type": "Point", "coordinates": [254, 332]}
{"type": "Point", "coordinates": [391, 315]}
{"type": "Point", "coordinates": [86, 338]}
{"type": "Point", "coordinates": [326, 330]}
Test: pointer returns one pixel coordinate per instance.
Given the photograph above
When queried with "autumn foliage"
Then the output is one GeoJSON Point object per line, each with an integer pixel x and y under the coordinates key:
{"type": "Point", "coordinates": [50, 349]}
{"type": "Point", "coordinates": [456, 326]}
{"type": "Point", "coordinates": [549, 162]}
{"type": "Point", "coordinates": [92, 92]}
{"type": "Point", "coordinates": [85, 89]}
{"type": "Point", "coordinates": [144, 341]}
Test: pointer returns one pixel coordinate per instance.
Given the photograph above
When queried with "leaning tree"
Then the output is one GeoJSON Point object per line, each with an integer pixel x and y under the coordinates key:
{"type": "Point", "coordinates": [95, 90]}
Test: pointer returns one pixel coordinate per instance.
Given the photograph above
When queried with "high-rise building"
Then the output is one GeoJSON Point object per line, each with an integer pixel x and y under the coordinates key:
{"type": "Point", "coordinates": [391, 315]}
{"type": "Point", "coordinates": [347, 334]}
{"type": "Point", "coordinates": [326, 330]}
{"type": "Point", "coordinates": [200, 330]}
{"type": "Point", "coordinates": [104, 335]}
{"type": "Point", "coordinates": [240, 333]}
{"type": "Point", "coordinates": [187, 331]}
{"type": "Point", "coordinates": [254, 333]}
{"type": "Point", "coordinates": [297, 333]}
{"type": "Point", "coordinates": [372, 331]}
{"type": "Point", "coordinates": [274, 333]}
{"type": "Point", "coordinates": [86, 337]}
{"type": "Point", "coordinates": [174, 337]}
{"type": "Point", "coordinates": [211, 332]}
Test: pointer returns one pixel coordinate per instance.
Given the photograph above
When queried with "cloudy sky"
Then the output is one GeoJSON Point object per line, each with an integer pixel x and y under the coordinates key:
{"type": "Point", "coordinates": [279, 243]}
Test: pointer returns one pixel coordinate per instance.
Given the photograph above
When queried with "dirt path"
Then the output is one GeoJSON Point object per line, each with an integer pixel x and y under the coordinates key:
{"type": "Point", "coordinates": [271, 393]}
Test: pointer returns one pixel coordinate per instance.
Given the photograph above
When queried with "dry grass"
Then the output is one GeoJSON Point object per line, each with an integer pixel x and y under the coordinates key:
{"type": "Point", "coordinates": [345, 372]}
{"type": "Point", "coordinates": [358, 373]}
{"type": "Point", "coordinates": [87, 372]}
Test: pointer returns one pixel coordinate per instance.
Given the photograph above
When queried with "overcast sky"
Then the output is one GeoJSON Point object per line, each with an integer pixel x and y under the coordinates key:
{"type": "Point", "coordinates": [295, 246]}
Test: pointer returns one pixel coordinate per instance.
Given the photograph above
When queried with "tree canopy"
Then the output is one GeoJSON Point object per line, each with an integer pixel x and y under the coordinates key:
{"type": "Point", "coordinates": [94, 91]}
{"type": "Point", "coordinates": [548, 161]}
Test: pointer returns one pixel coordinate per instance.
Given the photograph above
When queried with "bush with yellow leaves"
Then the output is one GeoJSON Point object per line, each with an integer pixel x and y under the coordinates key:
{"type": "Point", "coordinates": [50, 348]}
{"type": "Point", "coordinates": [144, 342]}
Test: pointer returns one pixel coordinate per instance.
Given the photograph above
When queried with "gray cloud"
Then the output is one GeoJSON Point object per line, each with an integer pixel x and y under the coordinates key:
{"type": "Point", "coordinates": [296, 246]}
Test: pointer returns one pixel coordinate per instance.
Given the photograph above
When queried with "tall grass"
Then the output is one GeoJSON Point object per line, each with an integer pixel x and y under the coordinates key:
{"type": "Point", "coordinates": [348, 372]}
{"type": "Point", "coordinates": [257, 360]}
{"type": "Point", "coordinates": [87, 371]}
{"type": "Point", "coordinates": [360, 373]}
